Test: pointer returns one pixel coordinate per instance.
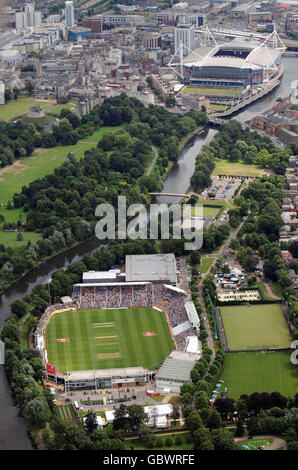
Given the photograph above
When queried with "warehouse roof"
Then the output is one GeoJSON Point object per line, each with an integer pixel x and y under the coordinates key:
{"type": "Point", "coordinates": [152, 267]}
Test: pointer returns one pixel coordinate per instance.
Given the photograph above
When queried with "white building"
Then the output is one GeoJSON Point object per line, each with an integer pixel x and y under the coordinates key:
{"type": "Point", "coordinates": [69, 14]}
{"type": "Point", "coordinates": [176, 370]}
{"type": "Point", "coordinates": [2, 93]}
{"type": "Point", "coordinates": [28, 18]}
{"type": "Point", "coordinates": [185, 34]}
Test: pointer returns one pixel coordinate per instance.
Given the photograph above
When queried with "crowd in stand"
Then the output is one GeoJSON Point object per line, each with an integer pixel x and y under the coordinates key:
{"type": "Point", "coordinates": [48, 313]}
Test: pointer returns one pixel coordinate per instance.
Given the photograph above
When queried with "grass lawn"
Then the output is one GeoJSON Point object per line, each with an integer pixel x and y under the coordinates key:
{"type": "Point", "coordinates": [10, 238]}
{"type": "Point", "coordinates": [225, 167]}
{"type": "Point", "coordinates": [207, 211]}
{"type": "Point", "coordinates": [218, 107]}
{"type": "Point", "coordinates": [276, 289]}
{"type": "Point", "coordinates": [205, 264]}
{"type": "Point", "coordinates": [255, 327]}
{"type": "Point", "coordinates": [21, 106]}
{"type": "Point", "coordinates": [246, 373]}
{"type": "Point", "coordinates": [104, 339]}
{"type": "Point", "coordinates": [138, 445]}
{"type": "Point", "coordinates": [213, 91]}
{"type": "Point", "coordinates": [97, 135]}
{"type": "Point", "coordinates": [57, 110]}
{"type": "Point", "coordinates": [13, 215]}
{"type": "Point", "coordinates": [41, 163]}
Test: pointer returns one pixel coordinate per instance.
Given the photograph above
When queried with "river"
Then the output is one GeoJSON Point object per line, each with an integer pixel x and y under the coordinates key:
{"type": "Point", "coordinates": [13, 431]}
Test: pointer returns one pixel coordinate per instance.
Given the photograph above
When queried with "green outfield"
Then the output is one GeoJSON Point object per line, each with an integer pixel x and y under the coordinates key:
{"type": "Point", "coordinates": [246, 373]}
{"type": "Point", "coordinates": [255, 327]}
{"type": "Point", "coordinates": [105, 339]}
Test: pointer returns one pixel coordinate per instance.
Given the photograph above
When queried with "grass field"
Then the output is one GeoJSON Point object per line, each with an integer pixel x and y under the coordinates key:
{"type": "Point", "coordinates": [21, 106]}
{"type": "Point", "coordinates": [104, 339]}
{"type": "Point", "coordinates": [41, 163]}
{"type": "Point", "coordinates": [246, 373]}
{"type": "Point", "coordinates": [213, 91]}
{"type": "Point", "coordinates": [225, 167]}
{"type": "Point", "coordinates": [255, 327]}
{"type": "Point", "coordinates": [205, 264]}
{"type": "Point", "coordinates": [57, 110]}
{"type": "Point", "coordinates": [207, 211]}
{"type": "Point", "coordinates": [10, 238]}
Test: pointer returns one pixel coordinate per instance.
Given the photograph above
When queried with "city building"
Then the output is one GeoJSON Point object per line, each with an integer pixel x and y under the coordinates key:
{"type": "Point", "coordinates": [69, 14]}
{"type": "Point", "coordinates": [184, 34]}
{"type": "Point", "coordinates": [95, 23]}
{"type": "Point", "coordinates": [28, 17]}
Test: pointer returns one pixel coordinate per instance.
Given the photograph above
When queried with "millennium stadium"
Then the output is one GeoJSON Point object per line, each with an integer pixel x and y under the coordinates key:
{"type": "Point", "coordinates": [234, 64]}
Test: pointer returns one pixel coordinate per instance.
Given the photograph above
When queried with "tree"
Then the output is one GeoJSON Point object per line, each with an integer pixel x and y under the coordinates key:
{"type": "Point", "coordinates": [213, 420]}
{"type": "Point", "coordinates": [18, 307]}
{"type": "Point", "coordinates": [29, 87]}
{"type": "Point", "coordinates": [239, 428]}
{"type": "Point", "coordinates": [145, 434]}
{"type": "Point", "coordinates": [91, 421]}
{"type": "Point", "coordinates": [193, 422]}
{"type": "Point", "coordinates": [120, 418]}
{"type": "Point", "coordinates": [136, 416]}
{"type": "Point", "coordinates": [201, 400]}
{"type": "Point", "coordinates": [37, 411]}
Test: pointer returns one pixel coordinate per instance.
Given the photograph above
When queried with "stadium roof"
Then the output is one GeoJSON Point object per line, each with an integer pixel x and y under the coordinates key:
{"type": "Point", "coordinates": [113, 284]}
{"type": "Point", "coordinates": [258, 56]}
{"type": "Point", "coordinates": [192, 313]}
{"type": "Point", "coordinates": [177, 367]}
{"type": "Point", "coordinates": [152, 267]}
{"type": "Point", "coordinates": [175, 289]}
{"type": "Point", "coordinates": [101, 274]}
{"type": "Point", "coordinates": [193, 345]}
{"type": "Point", "coordinates": [115, 373]}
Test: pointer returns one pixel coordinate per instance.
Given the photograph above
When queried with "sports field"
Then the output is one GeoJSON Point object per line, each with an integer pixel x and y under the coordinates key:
{"type": "Point", "coordinates": [225, 167]}
{"type": "Point", "coordinates": [212, 91]}
{"type": "Point", "coordinates": [255, 327]}
{"type": "Point", "coordinates": [104, 339]}
{"type": "Point", "coordinates": [246, 373]}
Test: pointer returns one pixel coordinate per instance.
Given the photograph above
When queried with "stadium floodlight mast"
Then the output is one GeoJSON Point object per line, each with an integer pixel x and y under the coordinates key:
{"type": "Point", "coordinates": [177, 61]}
{"type": "Point", "coordinates": [273, 41]}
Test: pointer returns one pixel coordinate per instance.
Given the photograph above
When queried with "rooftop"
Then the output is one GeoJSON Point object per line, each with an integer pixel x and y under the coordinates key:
{"type": "Point", "coordinates": [153, 267]}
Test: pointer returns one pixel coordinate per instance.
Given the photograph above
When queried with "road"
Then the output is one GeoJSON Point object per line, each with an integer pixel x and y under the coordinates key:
{"type": "Point", "coordinates": [153, 161]}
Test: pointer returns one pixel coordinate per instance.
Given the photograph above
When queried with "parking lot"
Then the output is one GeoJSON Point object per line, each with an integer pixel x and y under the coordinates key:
{"type": "Point", "coordinates": [221, 188]}
{"type": "Point", "coordinates": [102, 400]}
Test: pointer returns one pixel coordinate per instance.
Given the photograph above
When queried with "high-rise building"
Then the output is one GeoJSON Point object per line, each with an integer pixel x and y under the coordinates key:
{"type": "Point", "coordinates": [185, 34]}
{"type": "Point", "coordinates": [69, 14]}
{"type": "Point", "coordinates": [28, 17]}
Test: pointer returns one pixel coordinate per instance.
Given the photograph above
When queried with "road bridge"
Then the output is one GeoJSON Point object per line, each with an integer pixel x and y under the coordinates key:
{"type": "Point", "coordinates": [170, 195]}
